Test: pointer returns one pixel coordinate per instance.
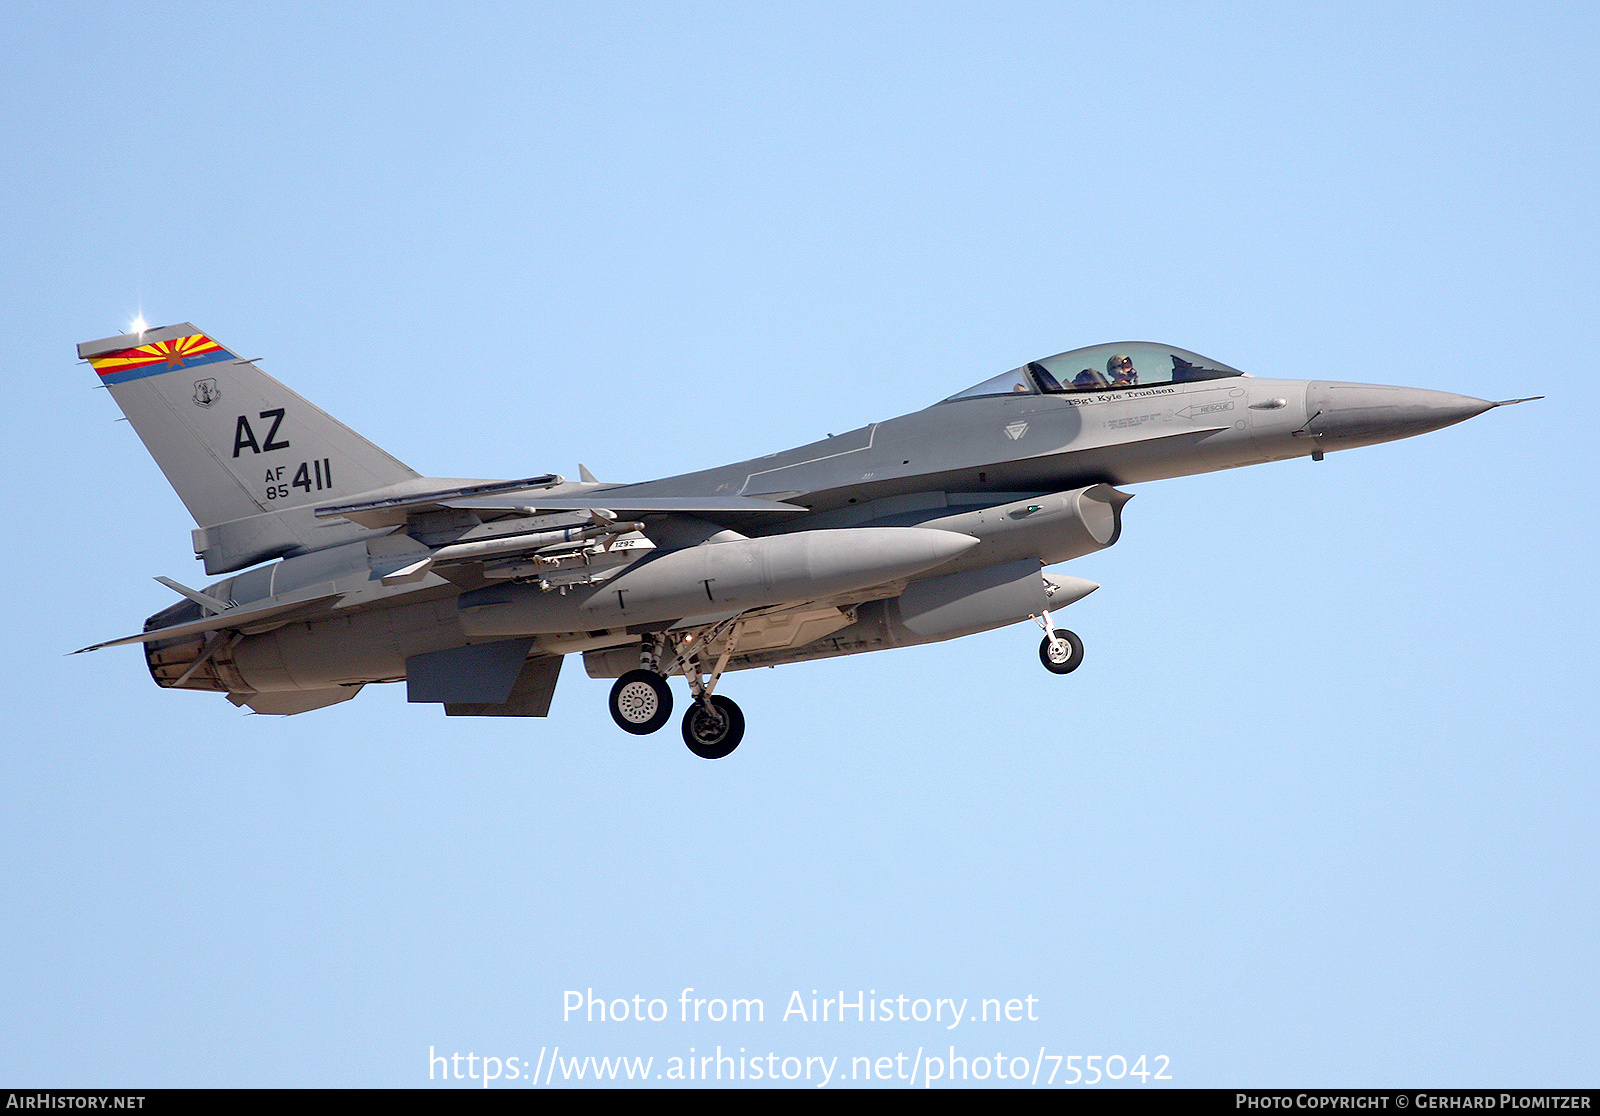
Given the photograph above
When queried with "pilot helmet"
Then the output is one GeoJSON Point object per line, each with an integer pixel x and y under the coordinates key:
{"type": "Point", "coordinates": [1115, 365]}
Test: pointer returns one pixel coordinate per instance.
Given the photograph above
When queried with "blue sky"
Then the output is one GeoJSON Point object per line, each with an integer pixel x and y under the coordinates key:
{"type": "Point", "coordinates": [1319, 809]}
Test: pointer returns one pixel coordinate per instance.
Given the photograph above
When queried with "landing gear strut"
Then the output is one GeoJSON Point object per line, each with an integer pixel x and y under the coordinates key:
{"type": "Point", "coordinates": [1060, 651]}
{"type": "Point", "coordinates": [713, 725]}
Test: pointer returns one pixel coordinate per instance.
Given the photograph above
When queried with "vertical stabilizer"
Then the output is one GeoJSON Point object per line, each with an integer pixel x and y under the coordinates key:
{"type": "Point", "coordinates": [231, 440]}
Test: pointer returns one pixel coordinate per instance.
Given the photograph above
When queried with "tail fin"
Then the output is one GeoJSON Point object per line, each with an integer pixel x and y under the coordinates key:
{"type": "Point", "coordinates": [233, 442]}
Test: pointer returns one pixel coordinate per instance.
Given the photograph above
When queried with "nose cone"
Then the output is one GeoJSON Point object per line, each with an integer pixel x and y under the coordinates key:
{"type": "Point", "coordinates": [1362, 414]}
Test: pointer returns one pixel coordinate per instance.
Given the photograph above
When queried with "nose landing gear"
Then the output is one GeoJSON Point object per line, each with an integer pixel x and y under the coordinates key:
{"type": "Point", "coordinates": [1060, 651]}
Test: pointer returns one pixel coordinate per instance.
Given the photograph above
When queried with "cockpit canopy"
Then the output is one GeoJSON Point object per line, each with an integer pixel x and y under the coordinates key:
{"type": "Point", "coordinates": [1103, 368]}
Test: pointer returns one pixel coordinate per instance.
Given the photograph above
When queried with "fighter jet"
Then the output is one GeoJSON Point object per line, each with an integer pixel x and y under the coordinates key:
{"type": "Point", "coordinates": [346, 567]}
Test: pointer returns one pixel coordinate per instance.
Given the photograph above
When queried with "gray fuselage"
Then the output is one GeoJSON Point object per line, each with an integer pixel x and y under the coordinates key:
{"type": "Point", "coordinates": [1017, 472]}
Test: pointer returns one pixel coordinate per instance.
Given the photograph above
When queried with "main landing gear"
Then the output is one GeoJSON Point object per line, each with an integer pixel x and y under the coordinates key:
{"type": "Point", "coordinates": [641, 703]}
{"type": "Point", "coordinates": [713, 732]}
{"type": "Point", "coordinates": [1060, 651]}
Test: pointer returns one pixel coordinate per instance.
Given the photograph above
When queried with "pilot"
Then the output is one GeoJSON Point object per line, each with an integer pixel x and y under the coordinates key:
{"type": "Point", "coordinates": [1120, 369]}
{"type": "Point", "coordinates": [1089, 378]}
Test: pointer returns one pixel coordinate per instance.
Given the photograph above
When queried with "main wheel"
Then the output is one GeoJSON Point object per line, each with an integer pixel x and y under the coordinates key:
{"type": "Point", "coordinates": [1063, 656]}
{"type": "Point", "coordinates": [641, 702]}
{"type": "Point", "coordinates": [713, 734]}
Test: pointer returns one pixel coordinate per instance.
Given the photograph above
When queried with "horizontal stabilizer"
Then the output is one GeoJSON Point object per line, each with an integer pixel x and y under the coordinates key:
{"type": "Point", "coordinates": [305, 600]}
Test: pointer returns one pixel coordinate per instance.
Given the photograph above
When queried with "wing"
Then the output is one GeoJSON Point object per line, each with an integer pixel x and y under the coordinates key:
{"type": "Point", "coordinates": [383, 508]}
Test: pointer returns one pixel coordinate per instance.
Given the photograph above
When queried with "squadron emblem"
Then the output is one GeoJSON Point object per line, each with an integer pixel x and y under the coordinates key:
{"type": "Point", "coordinates": [206, 393]}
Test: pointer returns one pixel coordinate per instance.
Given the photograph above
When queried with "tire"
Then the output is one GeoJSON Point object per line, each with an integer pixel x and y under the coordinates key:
{"type": "Point", "coordinates": [641, 702]}
{"type": "Point", "coordinates": [1056, 664]}
{"type": "Point", "coordinates": [713, 736]}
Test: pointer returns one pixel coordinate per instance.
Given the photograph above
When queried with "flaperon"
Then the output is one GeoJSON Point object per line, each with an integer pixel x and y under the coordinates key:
{"type": "Point", "coordinates": [348, 567]}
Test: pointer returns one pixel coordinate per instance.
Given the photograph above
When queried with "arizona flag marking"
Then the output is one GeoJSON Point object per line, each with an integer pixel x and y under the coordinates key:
{"type": "Point", "coordinates": [158, 357]}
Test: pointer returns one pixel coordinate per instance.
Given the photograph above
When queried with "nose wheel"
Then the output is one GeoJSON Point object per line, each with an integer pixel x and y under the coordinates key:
{"type": "Point", "coordinates": [1060, 651]}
